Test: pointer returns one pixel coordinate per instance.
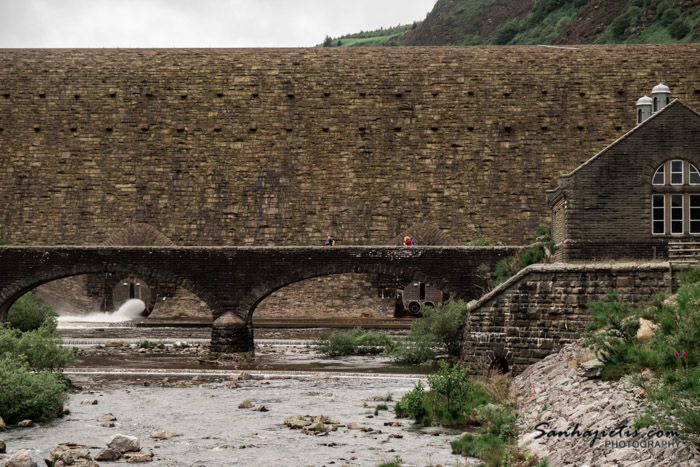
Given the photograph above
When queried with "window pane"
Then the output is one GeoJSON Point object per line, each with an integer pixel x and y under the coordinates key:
{"type": "Point", "coordinates": [694, 175]}
{"type": "Point", "coordinates": [694, 212]}
{"type": "Point", "coordinates": [676, 214]}
{"type": "Point", "coordinates": [658, 223]}
{"type": "Point", "coordinates": [676, 172]}
{"type": "Point", "coordinates": [659, 176]}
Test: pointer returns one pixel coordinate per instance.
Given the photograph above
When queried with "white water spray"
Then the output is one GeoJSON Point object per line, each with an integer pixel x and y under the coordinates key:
{"type": "Point", "coordinates": [131, 309]}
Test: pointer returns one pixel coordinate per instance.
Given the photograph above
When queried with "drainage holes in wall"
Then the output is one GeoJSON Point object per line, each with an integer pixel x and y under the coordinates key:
{"type": "Point", "coordinates": [470, 128]}
{"type": "Point", "coordinates": [252, 129]}
{"type": "Point", "coordinates": [361, 129]}
{"type": "Point", "coordinates": [290, 95]}
{"type": "Point", "coordinates": [254, 95]}
{"type": "Point", "coordinates": [582, 94]}
{"type": "Point", "coordinates": [217, 130]}
{"type": "Point", "coordinates": [697, 91]}
{"type": "Point", "coordinates": [288, 130]}
{"type": "Point", "coordinates": [42, 95]}
{"type": "Point", "coordinates": [544, 128]}
{"type": "Point", "coordinates": [149, 95]}
{"type": "Point", "coordinates": [6, 95]}
{"type": "Point", "coordinates": [470, 93]}
{"type": "Point", "coordinates": [325, 130]}
{"type": "Point", "coordinates": [180, 130]}
{"type": "Point", "coordinates": [580, 127]}
{"type": "Point", "coordinates": [544, 92]}
{"type": "Point", "coordinates": [112, 94]}
{"type": "Point", "coordinates": [326, 94]}
{"type": "Point", "coordinates": [108, 130]}
{"type": "Point", "coordinates": [398, 95]}
{"type": "Point", "coordinates": [0, 129]}
{"type": "Point", "coordinates": [434, 93]}
{"type": "Point", "coordinates": [183, 96]}
{"type": "Point", "coordinates": [37, 128]}
{"type": "Point", "coordinates": [507, 128]}
{"type": "Point", "coordinates": [73, 129]}
{"type": "Point", "coordinates": [506, 94]}
{"type": "Point", "coordinates": [618, 128]}
{"type": "Point", "coordinates": [621, 92]}
{"type": "Point", "coordinates": [434, 128]}
{"type": "Point", "coordinates": [76, 96]}
{"type": "Point", "coordinates": [363, 94]}
{"type": "Point", "coordinates": [397, 129]}
{"type": "Point", "coordinates": [219, 94]}
{"type": "Point", "coordinates": [144, 129]}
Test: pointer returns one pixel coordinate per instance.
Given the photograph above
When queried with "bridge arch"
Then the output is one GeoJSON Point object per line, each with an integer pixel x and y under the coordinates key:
{"type": "Point", "coordinates": [263, 291]}
{"type": "Point", "coordinates": [12, 292]}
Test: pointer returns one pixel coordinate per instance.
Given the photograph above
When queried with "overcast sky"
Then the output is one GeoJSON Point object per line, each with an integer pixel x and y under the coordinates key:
{"type": "Point", "coordinates": [196, 23]}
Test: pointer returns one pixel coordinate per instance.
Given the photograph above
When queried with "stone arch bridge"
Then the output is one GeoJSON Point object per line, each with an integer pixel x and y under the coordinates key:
{"type": "Point", "coordinates": [233, 280]}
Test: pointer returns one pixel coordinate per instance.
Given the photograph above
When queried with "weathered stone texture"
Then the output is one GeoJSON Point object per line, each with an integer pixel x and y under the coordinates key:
{"type": "Point", "coordinates": [232, 281]}
{"type": "Point", "coordinates": [543, 308]}
{"type": "Point", "coordinates": [608, 199]}
{"type": "Point", "coordinates": [282, 146]}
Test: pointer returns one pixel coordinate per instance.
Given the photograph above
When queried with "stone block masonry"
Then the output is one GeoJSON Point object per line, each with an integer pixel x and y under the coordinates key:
{"type": "Point", "coordinates": [232, 281]}
{"type": "Point", "coordinates": [283, 146]}
{"type": "Point", "coordinates": [543, 307]}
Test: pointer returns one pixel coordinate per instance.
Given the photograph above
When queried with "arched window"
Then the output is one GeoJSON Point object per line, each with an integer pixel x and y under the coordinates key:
{"type": "Point", "coordinates": [675, 206]}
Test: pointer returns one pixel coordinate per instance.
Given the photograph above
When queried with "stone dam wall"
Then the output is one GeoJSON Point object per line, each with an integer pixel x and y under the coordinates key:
{"type": "Point", "coordinates": [283, 146]}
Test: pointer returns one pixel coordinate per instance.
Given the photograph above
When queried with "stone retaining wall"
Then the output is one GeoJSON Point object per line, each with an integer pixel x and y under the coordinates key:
{"type": "Point", "coordinates": [543, 307]}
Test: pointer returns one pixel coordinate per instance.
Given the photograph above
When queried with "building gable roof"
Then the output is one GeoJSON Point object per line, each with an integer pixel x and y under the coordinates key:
{"type": "Point", "coordinates": [554, 194]}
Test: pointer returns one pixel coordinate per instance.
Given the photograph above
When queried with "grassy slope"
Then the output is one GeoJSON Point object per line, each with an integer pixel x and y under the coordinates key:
{"type": "Point", "coordinates": [643, 21]}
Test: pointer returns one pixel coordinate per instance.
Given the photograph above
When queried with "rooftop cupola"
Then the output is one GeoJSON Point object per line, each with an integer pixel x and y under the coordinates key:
{"type": "Point", "coordinates": [644, 106]}
{"type": "Point", "coordinates": [661, 97]}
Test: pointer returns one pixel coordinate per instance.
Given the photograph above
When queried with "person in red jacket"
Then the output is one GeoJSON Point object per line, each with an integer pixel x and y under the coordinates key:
{"type": "Point", "coordinates": [407, 241]}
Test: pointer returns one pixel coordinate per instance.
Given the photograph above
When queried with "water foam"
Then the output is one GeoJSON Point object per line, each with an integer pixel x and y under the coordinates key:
{"type": "Point", "coordinates": [131, 309]}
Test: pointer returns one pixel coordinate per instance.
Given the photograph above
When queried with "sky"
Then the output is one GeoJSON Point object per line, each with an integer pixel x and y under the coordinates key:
{"type": "Point", "coordinates": [196, 23]}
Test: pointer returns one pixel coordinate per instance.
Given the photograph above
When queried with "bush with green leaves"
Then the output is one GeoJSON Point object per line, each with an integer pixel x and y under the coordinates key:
{"type": "Point", "coordinates": [25, 394]}
{"type": "Point", "coordinates": [28, 313]}
{"type": "Point", "coordinates": [450, 401]}
{"type": "Point", "coordinates": [673, 353]}
{"type": "Point", "coordinates": [40, 348]}
{"type": "Point", "coordinates": [440, 330]}
{"type": "Point", "coordinates": [354, 342]}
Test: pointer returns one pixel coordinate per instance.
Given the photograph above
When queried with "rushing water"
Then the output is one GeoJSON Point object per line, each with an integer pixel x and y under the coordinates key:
{"type": "Point", "coordinates": [182, 391]}
{"type": "Point", "coordinates": [130, 310]}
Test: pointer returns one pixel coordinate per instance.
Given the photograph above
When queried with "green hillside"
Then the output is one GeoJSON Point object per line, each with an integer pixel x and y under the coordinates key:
{"type": "Point", "coordinates": [523, 22]}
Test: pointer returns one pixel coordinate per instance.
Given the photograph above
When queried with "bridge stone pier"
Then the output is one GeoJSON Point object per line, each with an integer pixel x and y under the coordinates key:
{"type": "Point", "coordinates": [233, 280]}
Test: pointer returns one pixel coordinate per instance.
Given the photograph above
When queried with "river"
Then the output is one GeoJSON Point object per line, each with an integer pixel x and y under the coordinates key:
{"type": "Point", "coordinates": [183, 391]}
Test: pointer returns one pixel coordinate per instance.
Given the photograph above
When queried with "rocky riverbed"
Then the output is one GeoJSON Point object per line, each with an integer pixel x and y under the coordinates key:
{"type": "Point", "coordinates": [559, 394]}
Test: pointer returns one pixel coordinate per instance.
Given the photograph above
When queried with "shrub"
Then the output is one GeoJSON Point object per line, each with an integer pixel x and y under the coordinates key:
{"type": "Point", "coordinates": [477, 446]}
{"type": "Point", "coordinates": [40, 348]}
{"type": "Point", "coordinates": [669, 16]}
{"type": "Point", "coordinates": [452, 387]}
{"type": "Point", "coordinates": [440, 328]}
{"type": "Point", "coordinates": [24, 394]}
{"type": "Point", "coordinates": [679, 29]}
{"type": "Point", "coordinates": [28, 313]}
{"type": "Point", "coordinates": [506, 32]}
{"type": "Point", "coordinates": [356, 341]}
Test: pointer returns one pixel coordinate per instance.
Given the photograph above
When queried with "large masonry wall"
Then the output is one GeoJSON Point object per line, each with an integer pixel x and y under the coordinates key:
{"type": "Point", "coordinates": [543, 308]}
{"type": "Point", "coordinates": [282, 146]}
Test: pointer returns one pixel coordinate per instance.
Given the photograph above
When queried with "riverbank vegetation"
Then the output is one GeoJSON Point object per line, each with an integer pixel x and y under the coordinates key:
{"type": "Point", "coordinates": [439, 333]}
{"type": "Point", "coordinates": [664, 361]}
{"type": "Point", "coordinates": [32, 385]}
{"type": "Point", "coordinates": [453, 399]}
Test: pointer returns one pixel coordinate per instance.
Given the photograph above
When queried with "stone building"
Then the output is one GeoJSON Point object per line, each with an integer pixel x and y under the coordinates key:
{"type": "Point", "coordinates": [629, 200]}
